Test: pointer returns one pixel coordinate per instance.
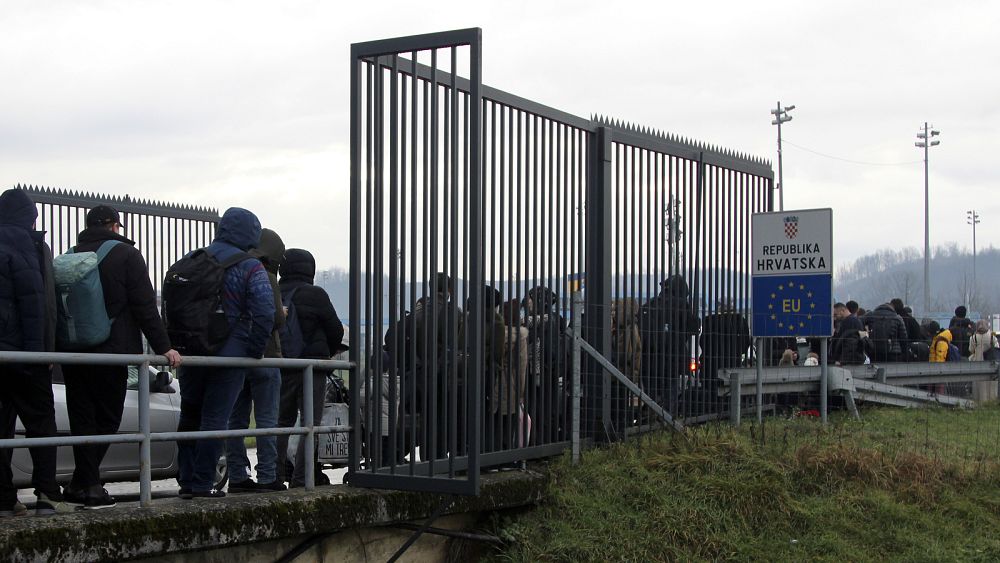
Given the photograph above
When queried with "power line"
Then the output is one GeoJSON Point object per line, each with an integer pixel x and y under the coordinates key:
{"type": "Point", "coordinates": [862, 162]}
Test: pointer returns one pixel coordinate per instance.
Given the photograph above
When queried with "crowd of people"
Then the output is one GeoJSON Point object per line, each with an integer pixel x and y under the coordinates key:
{"type": "Point", "coordinates": [263, 297]}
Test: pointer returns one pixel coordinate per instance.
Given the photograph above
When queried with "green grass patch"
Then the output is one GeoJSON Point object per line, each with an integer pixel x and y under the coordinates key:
{"type": "Point", "coordinates": [906, 485]}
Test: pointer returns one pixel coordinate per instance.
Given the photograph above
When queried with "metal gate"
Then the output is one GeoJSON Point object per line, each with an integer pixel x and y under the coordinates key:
{"type": "Point", "coordinates": [475, 214]}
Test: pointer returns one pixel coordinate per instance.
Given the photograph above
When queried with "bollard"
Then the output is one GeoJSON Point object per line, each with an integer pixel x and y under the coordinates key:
{"type": "Point", "coordinates": [145, 457]}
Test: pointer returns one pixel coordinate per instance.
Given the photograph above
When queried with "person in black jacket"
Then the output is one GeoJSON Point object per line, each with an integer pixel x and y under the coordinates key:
{"type": "Point", "coordinates": [95, 395]}
{"type": "Point", "coordinates": [914, 334]}
{"type": "Point", "coordinates": [725, 339]}
{"type": "Point", "coordinates": [27, 323]}
{"type": "Point", "coordinates": [887, 332]}
{"type": "Point", "coordinates": [322, 335]}
{"type": "Point", "coordinates": [845, 345]}
{"type": "Point", "coordinates": [962, 329]}
{"type": "Point", "coordinates": [666, 324]}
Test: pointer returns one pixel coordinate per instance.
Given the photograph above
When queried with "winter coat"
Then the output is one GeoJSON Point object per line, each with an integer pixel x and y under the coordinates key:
{"type": "Point", "coordinates": [129, 297]}
{"type": "Point", "coordinates": [845, 345]}
{"type": "Point", "coordinates": [725, 338]}
{"type": "Point", "coordinates": [667, 323]}
{"type": "Point", "coordinates": [271, 252]}
{"type": "Point", "coordinates": [515, 369]}
{"type": "Point", "coordinates": [247, 297]}
{"type": "Point", "coordinates": [625, 338]}
{"type": "Point", "coordinates": [49, 283]}
{"type": "Point", "coordinates": [939, 346]}
{"type": "Point", "coordinates": [322, 331]}
{"type": "Point", "coordinates": [962, 329]}
{"type": "Point", "coordinates": [979, 344]}
{"type": "Point", "coordinates": [436, 344]}
{"type": "Point", "coordinates": [499, 381]}
{"type": "Point", "coordinates": [22, 291]}
{"type": "Point", "coordinates": [888, 333]}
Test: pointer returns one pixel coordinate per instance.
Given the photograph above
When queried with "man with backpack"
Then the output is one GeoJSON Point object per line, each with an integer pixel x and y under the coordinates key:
{"type": "Point", "coordinates": [95, 395]}
{"type": "Point", "coordinates": [218, 301]}
{"type": "Point", "coordinates": [961, 330]}
{"type": "Point", "coordinates": [27, 324]}
{"type": "Point", "coordinates": [261, 390]}
{"type": "Point", "coordinates": [312, 326]}
{"type": "Point", "coordinates": [888, 332]}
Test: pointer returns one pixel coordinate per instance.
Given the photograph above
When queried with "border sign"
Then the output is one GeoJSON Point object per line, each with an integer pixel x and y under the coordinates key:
{"type": "Point", "coordinates": [793, 273]}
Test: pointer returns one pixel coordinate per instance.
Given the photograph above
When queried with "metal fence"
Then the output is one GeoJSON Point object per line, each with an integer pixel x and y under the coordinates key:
{"type": "Point", "coordinates": [163, 232]}
{"type": "Point", "coordinates": [474, 216]}
{"type": "Point", "coordinates": [144, 437]}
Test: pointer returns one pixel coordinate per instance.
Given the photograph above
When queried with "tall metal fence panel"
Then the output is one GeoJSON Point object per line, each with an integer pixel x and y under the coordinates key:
{"type": "Point", "coordinates": [475, 216]}
{"type": "Point", "coordinates": [163, 232]}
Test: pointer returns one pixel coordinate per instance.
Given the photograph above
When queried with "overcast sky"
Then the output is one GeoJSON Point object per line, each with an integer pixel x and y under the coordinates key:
{"type": "Point", "coordinates": [227, 103]}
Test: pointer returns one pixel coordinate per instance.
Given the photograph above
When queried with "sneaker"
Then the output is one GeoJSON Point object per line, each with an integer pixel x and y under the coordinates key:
{"type": "Point", "coordinates": [75, 497]}
{"type": "Point", "coordinates": [245, 486]}
{"type": "Point", "coordinates": [214, 493]}
{"type": "Point", "coordinates": [98, 499]}
{"type": "Point", "coordinates": [272, 486]}
{"type": "Point", "coordinates": [49, 504]}
{"type": "Point", "coordinates": [184, 493]}
{"type": "Point", "coordinates": [15, 510]}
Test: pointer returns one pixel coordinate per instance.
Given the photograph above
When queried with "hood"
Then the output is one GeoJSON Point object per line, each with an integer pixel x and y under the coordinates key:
{"type": "Point", "coordinates": [946, 335]}
{"type": "Point", "coordinates": [270, 250]}
{"type": "Point", "coordinates": [887, 308]}
{"type": "Point", "coordinates": [299, 265]}
{"type": "Point", "coordinates": [16, 208]}
{"type": "Point", "coordinates": [239, 228]}
{"type": "Point", "coordinates": [675, 286]}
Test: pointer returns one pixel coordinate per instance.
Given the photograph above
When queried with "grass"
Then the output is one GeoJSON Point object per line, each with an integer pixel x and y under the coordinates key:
{"type": "Point", "coordinates": [905, 485]}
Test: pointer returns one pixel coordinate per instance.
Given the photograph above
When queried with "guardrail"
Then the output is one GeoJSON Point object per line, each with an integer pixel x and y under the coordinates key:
{"type": "Point", "coordinates": [145, 437]}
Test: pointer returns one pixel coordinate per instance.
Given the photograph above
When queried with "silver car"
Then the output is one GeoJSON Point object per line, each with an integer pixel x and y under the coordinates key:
{"type": "Point", "coordinates": [122, 461]}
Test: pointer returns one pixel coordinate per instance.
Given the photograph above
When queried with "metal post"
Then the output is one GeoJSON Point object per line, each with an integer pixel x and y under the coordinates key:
{"type": "Point", "coordinates": [824, 378]}
{"type": "Point", "coordinates": [734, 397]}
{"type": "Point", "coordinates": [760, 383]}
{"type": "Point", "coordinates": [575, 435]}
{"type": "Point", "coordinates": [927, 232]}
{"type": "Point", "coordinates": [781, 177]}
{"type": "Point", "coordinates": [145, 462]}
{"type": "Point", "coordinates": [598, 268]}
{"type": "Point", "coordinates": [309, 442]}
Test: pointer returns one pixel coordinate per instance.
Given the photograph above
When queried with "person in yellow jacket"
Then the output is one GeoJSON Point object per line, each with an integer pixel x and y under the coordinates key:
{"type": "Point", "coordinates": [939, 344]}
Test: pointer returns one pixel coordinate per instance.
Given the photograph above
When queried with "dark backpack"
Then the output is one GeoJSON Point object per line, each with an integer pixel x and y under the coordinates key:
{"type": "Point", "coordinates": [961, 331]}
{"type": "Point", "coordinates": [192, 302]}
{"type": "Point", "coordinates": [292, 341]}
{"type": "Point", "coordinates": [953, 353]}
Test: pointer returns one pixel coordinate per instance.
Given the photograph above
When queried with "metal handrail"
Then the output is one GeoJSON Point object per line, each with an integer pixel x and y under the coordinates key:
{"type": "Point", "coordinates": [145, 437]}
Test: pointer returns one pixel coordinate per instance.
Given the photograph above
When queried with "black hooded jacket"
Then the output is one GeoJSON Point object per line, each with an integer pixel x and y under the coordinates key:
{"type": "Point", "coordinates": [129, 297]}
{"type": "Point", "coordinates": [22, 291]}
{"type": "Point", "coordinates": [322, 331]}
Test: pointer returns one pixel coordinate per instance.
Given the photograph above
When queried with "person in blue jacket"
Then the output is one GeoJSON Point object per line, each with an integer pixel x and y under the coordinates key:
{"type": "Point", "coordinates": [208, 394]}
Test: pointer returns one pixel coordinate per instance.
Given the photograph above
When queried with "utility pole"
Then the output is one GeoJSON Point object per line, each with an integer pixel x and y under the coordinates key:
{"type": "Point", "coordinates": [781, 116]}
{"type": "Point", "coordinates": [972, 218]}
{"type": "Point", "coordinates": [926, 143]}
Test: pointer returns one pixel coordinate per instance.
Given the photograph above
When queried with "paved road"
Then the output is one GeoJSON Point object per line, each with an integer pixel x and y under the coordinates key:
{"type": "Point", "coordinates": [128, 492]}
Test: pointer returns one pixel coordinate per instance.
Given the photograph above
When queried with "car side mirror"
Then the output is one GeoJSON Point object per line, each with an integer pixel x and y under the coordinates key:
{"type": "Point", "coordinates": [162, 381]}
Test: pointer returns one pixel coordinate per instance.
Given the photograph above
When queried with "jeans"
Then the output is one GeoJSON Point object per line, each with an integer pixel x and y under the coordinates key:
{"type": "Point", "coordinates": [207, 399]}
{"type": "Point", "coordinates": [291, 405]}
{"type": "Point", "coordinates": [95, 400]}
{"type": "Point", "coordinates": [26, 392]}
{"type": "Point", "coordinates": [261, 388]}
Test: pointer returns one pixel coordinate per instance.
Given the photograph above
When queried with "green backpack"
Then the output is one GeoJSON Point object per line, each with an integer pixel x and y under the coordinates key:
{"type": "Point", "coordinates": [82, 320]}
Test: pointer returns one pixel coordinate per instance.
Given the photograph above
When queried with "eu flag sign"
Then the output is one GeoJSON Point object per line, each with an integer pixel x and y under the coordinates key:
{"type": "Point", "coordinates": [792, 273]}
{"type": "Point", "coordinates": [792, 305]}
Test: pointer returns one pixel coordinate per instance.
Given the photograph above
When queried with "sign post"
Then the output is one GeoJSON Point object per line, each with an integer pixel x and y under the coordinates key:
{"type": "Point", "coordinates": [793, 279]}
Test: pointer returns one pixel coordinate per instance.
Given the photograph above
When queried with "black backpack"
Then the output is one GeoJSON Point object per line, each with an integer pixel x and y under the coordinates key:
{"type": "Point", "coordinates": [192, 302]}
{"type": "Point", "coordinates": [961, 331]}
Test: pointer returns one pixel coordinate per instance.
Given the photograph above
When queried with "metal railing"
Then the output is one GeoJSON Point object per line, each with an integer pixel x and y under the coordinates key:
{"type": "Point", "coordinates": [144, 437]}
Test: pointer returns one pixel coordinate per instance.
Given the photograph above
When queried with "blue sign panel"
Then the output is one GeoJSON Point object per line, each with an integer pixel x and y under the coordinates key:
{"type": "Point", "coordinates": [793, 305]}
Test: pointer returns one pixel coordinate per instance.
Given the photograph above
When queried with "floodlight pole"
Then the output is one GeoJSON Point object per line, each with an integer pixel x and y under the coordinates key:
{"type": "Point", "coordinates": [973, 219]}
{"type": "Point", "coordinates": [926, 143]}
{"type": "Point", "coordinates": [780, 116]}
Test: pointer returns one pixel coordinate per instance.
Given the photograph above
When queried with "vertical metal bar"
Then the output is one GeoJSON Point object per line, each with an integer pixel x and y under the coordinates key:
{"type": "Point", "coordinates": [145, 458]}
{"type": "Point", "coordinates": [575, 436]}
{"type": "Point", "coordinates": [309, 423]}
{"type": "Point", "coordinates": [395, 256]}
{"type": "Point", "coordinates": [453, 233]}
{"type": "Point", "coordinates": [824, 378]}
{"type": "Point", "coordinates": [412, 354]}
{"type": "Point", "coordinates": [431, 414]}
{"type": "Point", "coordinates": [475, 263]}
{"type": "Point", "coordinates": [599, 258]}
{"type": "Point", "coordinates": [354, 307]}
{"type": "Point", "coordinates": [759, 398]}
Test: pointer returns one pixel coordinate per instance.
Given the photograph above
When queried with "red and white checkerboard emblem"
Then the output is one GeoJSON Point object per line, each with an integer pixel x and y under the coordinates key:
{"type": "Point", "coordinates": [791, 226]}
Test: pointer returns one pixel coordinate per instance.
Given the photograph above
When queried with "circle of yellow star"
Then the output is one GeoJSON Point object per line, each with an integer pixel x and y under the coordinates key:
{"type": "Point", "coordinates": [773, 317]}
{"type": "Point", "coordinates": [773, 296]}
{"type": "Point", "coordinates": [781, 288]}
{"type": "Point", "coordinates": [803, 287]}
{"type": "Point", "coordinates": [781, 325]}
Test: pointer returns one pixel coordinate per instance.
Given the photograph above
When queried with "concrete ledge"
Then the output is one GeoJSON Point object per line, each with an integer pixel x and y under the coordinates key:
{"type": "Point", "coordinates": [175, 526]}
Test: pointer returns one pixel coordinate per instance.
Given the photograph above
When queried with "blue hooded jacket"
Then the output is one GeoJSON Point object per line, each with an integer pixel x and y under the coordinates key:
{"type": "Point", "coordinates": [247, 296]}
{"type": "Point", "coordinates": [22, 293]}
